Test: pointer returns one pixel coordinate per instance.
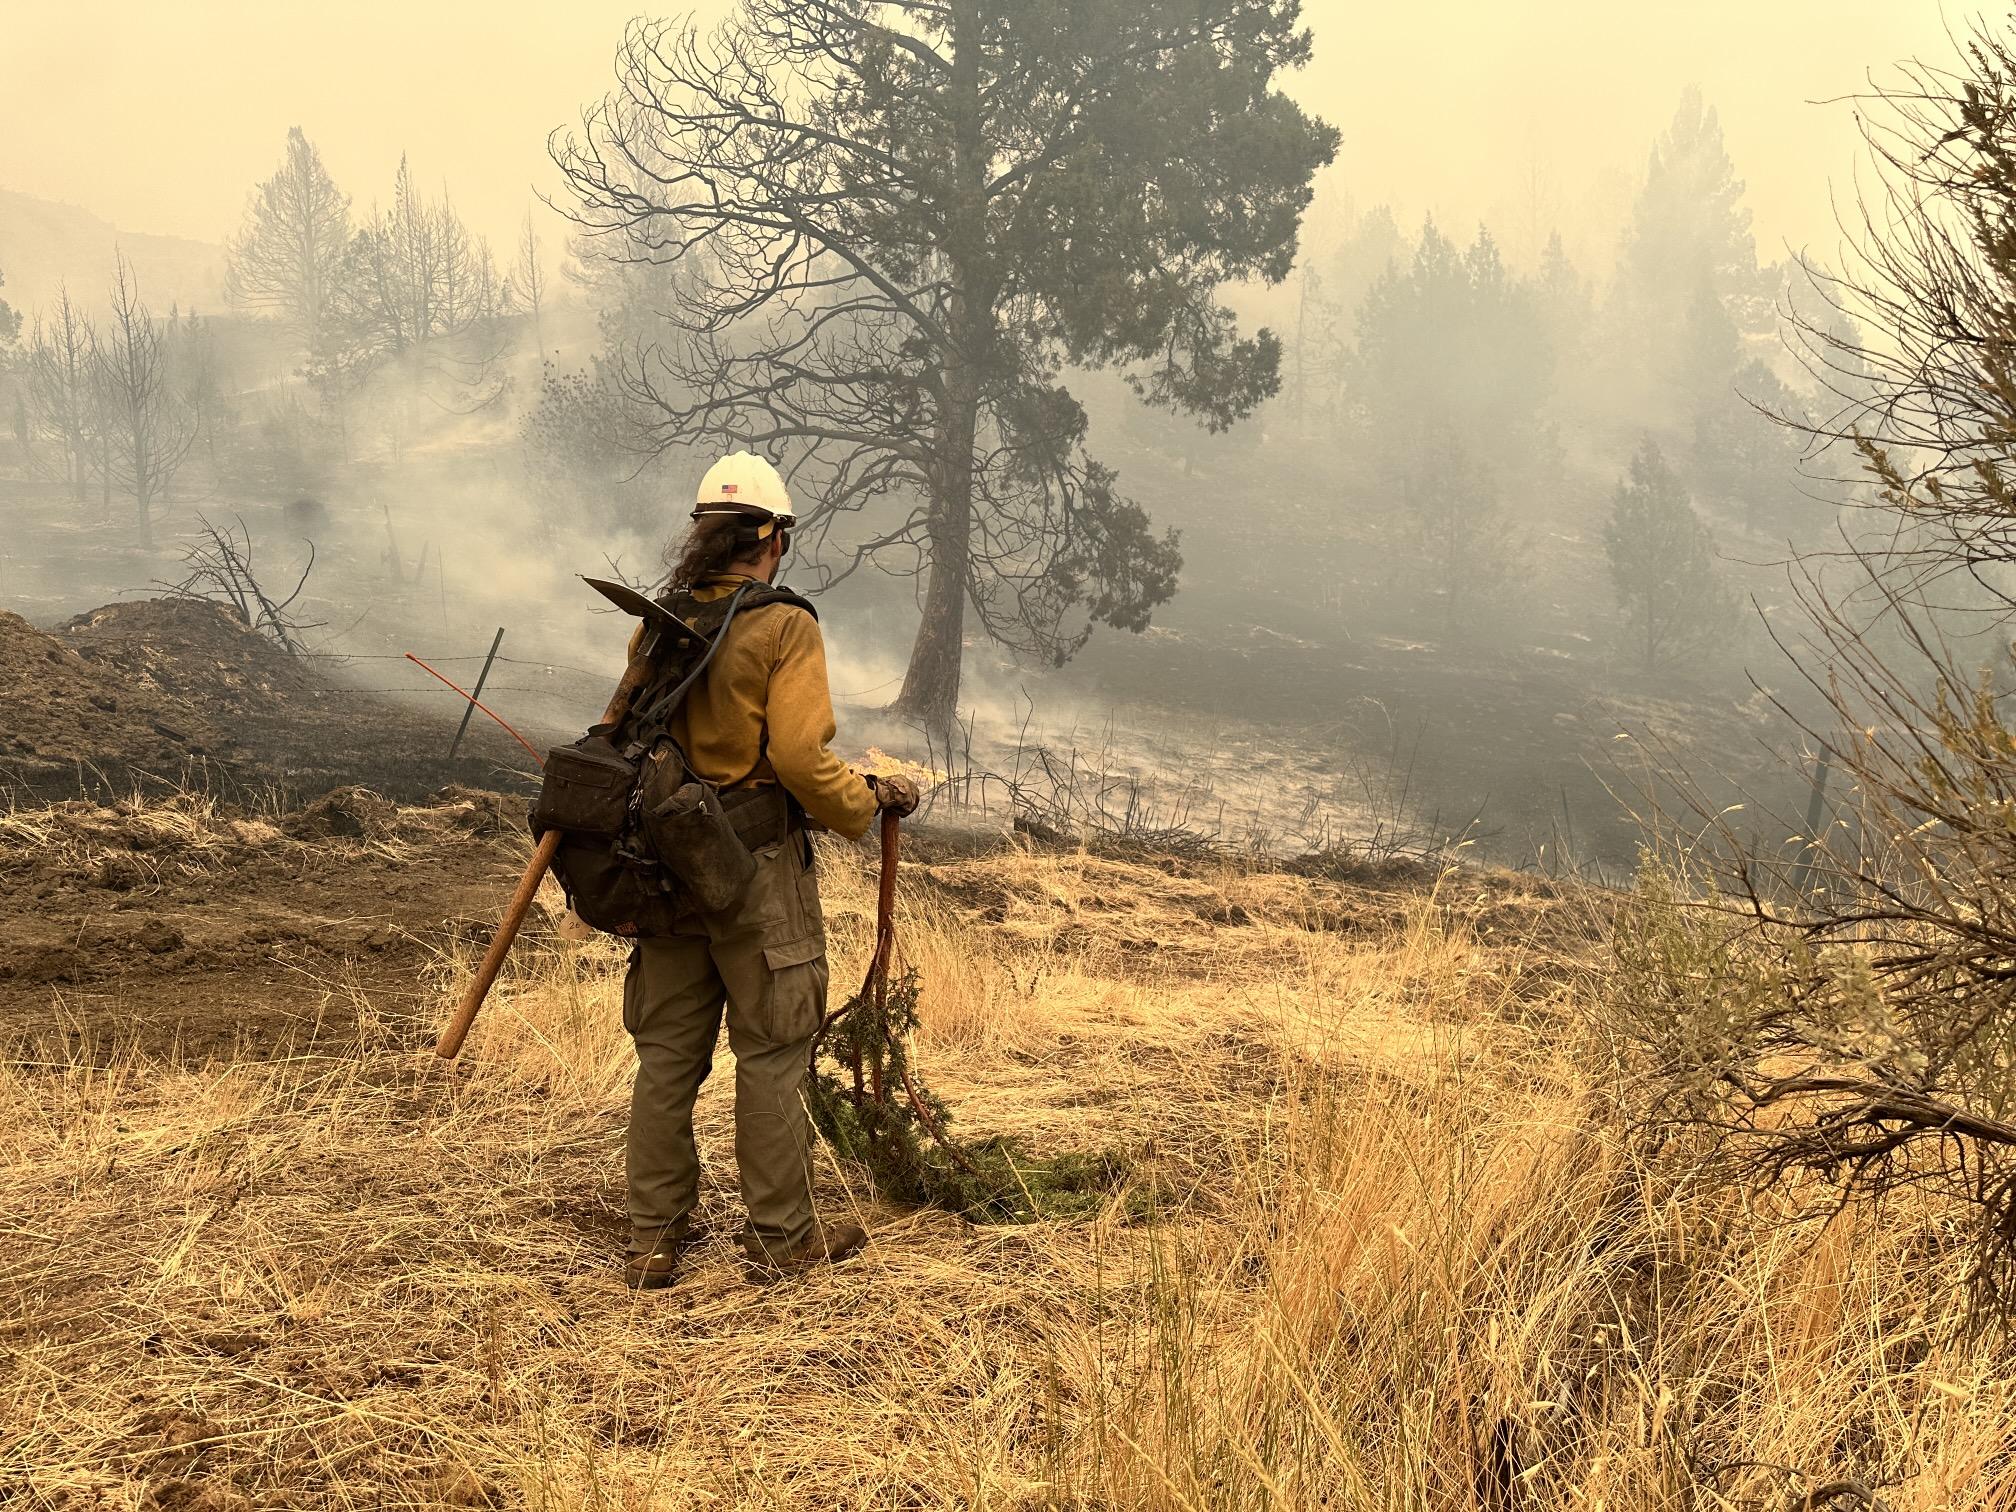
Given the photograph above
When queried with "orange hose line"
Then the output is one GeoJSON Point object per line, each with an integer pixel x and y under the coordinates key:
{"type": "Point", "coordinates": [479, 704]}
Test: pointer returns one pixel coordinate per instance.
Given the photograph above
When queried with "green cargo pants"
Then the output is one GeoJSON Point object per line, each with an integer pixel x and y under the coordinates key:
{"type": "Point", "coordinates": [764, 960]}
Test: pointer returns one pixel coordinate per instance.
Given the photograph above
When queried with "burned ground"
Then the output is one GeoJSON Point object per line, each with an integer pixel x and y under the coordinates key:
{"type": "Point", "coordinates": [161, 695]}
{"type": "Point", "coordinates": [240, 869]}
{"type": "Point", "coordinates": [202, 844]}
{"type": "Point", "coordinates": [185, 922]}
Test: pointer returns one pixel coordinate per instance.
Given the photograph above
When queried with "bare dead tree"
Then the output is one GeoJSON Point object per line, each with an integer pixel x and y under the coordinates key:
{"type": "Point", "coordinates": [419, 294]}
{"type": "Point", "coordinates": [419, 273]}
{"type": "Point", "coordinates": [197, 376]}
{"type": "Point", "coordinates": [900, 220]}
{"type": "Point", "coordinates": [528, 281]}
{"type": "Point", "coordinates": [147, 430]}
{"type": "Point", "coordinates": [103, 426]}
{"type": "Point", "coordinates": [59, 396]}
{"type": "Point", "coordinates": [289, 254]}
{"type": "Point", "coordinates": [221, 572]}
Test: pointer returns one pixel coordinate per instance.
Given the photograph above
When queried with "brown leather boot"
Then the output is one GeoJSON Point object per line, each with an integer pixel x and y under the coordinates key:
{"type": "Point", "coordinates": [827, 1242]}
{"type": "Point", "coordinates": [658, 1265]}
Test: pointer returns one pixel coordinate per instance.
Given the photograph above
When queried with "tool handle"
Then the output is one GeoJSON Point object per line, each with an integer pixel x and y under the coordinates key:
{"type": "Point", "coordinates": [457, 1029]}
{"type": "Point", "coordinates": [449, 1045]}
{"type": "Point", "coordinates": [885, 908]}
{"type": "Point", "coordinates": [885, 899]}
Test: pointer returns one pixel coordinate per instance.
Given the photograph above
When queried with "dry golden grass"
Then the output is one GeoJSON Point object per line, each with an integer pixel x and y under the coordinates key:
{"type": "Point", "coordinates": [188, 833]}
{"type": "Point", "coordinates": [1401, 1258]}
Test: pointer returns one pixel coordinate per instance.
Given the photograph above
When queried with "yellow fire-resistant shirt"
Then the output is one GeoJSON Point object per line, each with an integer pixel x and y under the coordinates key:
{"type": "Point", "coordinates": [763, 714]}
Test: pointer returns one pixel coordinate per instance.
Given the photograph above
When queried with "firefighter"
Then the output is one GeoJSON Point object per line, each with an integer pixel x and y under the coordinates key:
{"type": "Point", "coordinates": [761, 717]}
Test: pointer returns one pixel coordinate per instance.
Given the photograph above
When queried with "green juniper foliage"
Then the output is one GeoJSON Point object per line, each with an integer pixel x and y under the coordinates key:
{"type": "Point", "coordinates": [860, 1096]}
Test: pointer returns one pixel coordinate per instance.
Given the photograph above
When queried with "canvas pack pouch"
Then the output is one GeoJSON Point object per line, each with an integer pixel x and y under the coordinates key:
{"type": "Point", "coordinates": [584, 794]}
{"type": "Point", "coordinates": [695, 841]}
{"type": "Point", "coordinates": [584, 789]}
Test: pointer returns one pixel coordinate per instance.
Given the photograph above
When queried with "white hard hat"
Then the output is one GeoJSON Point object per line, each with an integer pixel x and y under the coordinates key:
{"type": "Point", "coordinates": [744, 484]}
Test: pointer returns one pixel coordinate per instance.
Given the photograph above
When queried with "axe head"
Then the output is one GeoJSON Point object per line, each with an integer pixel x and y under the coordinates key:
{"type": "Point", "coordinates": [657, 618]}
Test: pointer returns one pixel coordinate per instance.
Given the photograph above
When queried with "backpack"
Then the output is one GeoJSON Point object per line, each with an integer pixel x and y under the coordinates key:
{"type": "Point", "coordinates": [644, 838]}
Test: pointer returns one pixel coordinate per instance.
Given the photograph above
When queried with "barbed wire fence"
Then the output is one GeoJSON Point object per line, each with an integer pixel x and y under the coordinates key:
{"type": "Point", "coordinates": [571, 692]}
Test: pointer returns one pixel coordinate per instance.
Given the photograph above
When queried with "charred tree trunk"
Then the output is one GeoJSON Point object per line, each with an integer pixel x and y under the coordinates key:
{"type": "Point", "coordinates": [140, 429]}
{"type": "Point", "coordinates": [931, 685]}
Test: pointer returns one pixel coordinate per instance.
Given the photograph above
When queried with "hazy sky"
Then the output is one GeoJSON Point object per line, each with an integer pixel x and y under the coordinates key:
{"type": "Point", "coordinates": [159, 117]}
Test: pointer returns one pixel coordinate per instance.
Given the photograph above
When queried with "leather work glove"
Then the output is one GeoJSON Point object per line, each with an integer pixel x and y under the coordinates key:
{"type": "Point", "coordinates": [898, 795]}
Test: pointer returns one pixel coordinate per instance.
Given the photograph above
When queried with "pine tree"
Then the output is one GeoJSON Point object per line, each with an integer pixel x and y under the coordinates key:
{"type": "Point", "coordinates": [290, 253]}
{"type": "Point", "coordinates": [1661, 565]}
{"type": "Point", "coordinates": [1452, 368]}
{"type": "Point", "coordinates": [1747, 449]}
{"type": "Point", "coordinates": [1690, 227]}
{"type": "Point", "coordinates": [906, 222]}
{"type": "Point", "coordinates": [1688, 288]}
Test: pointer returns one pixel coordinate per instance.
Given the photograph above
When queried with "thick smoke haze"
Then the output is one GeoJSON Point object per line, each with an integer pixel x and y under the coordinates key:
{"type": "Point", "coordinates": [1437, 482]}
{"type": "Point", "coordinates": [1471, 109]}
{"type": "Point", "coordinates": [1325, 691]}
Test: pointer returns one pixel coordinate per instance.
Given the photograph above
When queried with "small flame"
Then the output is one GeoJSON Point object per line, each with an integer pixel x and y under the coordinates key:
{"type": "Point", "coordinates": [879, 763]}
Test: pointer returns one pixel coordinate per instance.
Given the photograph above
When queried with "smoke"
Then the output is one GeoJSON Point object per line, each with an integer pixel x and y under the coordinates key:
{"type": "Point", "coordinates": [1399, 563]}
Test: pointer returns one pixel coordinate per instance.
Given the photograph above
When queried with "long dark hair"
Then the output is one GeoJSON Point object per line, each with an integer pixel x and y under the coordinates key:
{"type": "Point", "coordinates": [709, 548]}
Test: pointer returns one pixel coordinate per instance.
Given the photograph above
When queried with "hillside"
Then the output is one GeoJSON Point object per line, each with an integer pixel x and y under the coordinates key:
{"type": "Point", "coordinates": [45, 245]}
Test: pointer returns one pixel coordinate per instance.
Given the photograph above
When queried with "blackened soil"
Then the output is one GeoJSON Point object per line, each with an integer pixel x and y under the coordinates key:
{"type": "Point", "coordinates": [163, 696]}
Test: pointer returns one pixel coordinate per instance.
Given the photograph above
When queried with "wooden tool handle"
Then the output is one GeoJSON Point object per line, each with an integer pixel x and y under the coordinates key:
{"type": "Point", "coordinates": [885, 899]}
{"type": "Point", "coordinates": [885, 909]}
{"type": "Point", "coordinates": [500, 946]}
{"type": "Point", "coordinates": [635, 676]}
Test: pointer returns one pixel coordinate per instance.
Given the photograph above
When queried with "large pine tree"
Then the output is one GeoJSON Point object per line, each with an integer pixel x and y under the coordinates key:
{"type": "Point", "coordinates": [1690, 230]}
{"type": "Point", "coordinates": [288, 256]}
{"type": "Point", "coordinates": [1446, 389]}
{"type": "Point", "coordinates": [1688, 288]}
{"type": "Point", "coordinates": [904, 220]}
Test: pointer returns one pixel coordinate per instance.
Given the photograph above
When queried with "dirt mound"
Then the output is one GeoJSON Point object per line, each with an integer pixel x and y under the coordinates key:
{"type": "Point", "coordinates": [59, 708]}
{"type": "Point", "coordinates": [157, 685]}
{"type": "Point", "coordinates": [157, 695]}
{"type": "Point", "coordinates": [348, 813]}
{"type": "Point", "coordinates": [189, 653]}
{"type": "Point", "coordinates": [358, 813]}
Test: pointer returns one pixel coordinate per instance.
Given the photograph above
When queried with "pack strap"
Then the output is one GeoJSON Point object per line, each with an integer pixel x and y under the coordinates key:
{"type": "Point", "coordinates": [667, 704]}
{"type": "Point", "coordinates": [687, 606]}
